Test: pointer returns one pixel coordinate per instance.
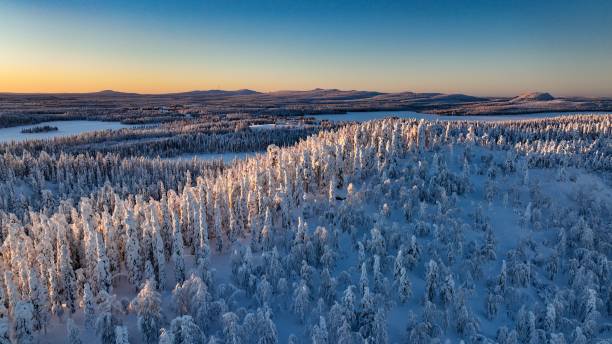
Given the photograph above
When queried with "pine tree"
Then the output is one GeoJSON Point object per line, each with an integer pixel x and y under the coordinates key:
{"type": "Point", "coordinates": [413, 254]}
{"type": "Point", "coordinates": [133, 260]}
{"type": "Point", "coordinates": [579, 337]}
{"type": "Point", "coordinates": [268, 333]}
{"type": "Point", "coordinates": [217, 225]}
{"type": "Point", "coordinates": [525, 326]}
{"type": "Point", "coordinates": [264, 291]}
{"type": "Point", "coordinates": [431, 280]}
{"type": "Point", "coordinates": [39, 300]}
{"type": "Point", "coordinates": [102, 267]}
{"type": "Point", "coordinates": [550, 319]}
{"type": "Point", "coordinates": [345, 335]}
{"type": "Point", "coordinates": [177, 249]}
{"type": "Point", "coordinates": [111, 241]}
{"type": "Point", "coordinates": [165, 337]}
{"type": "Point", "coordinates": [4, 332]}
{"type": "Point", "coordinates": [491, 305]}
{"type": "Point", "coordinates": [405, 287]}
{"type": "Point", "coordinates": [366, 314]}
{"type": "Point", "coordinates": [105, 327]}
{"type": "Point", "coordinates": [121, 335]}
{"type": "Point", "coordinates": [319, 332]}
{"type": "Point", "coordinates": [185, 331]}
{"type": "Point", "coordinates": [158, 248]}
{"type": "Point", "coordinates": [89, 308]}
{"type": "Point", "coordinates": [503, 277]}
{"type": "Point", "coordinates": [74, 335]}
{"type": "Point", "coordinates": [327, 288]}
{"type": "Point", "coordinates": [363, 280]}
{"type": "Point", "coordinates": [447, 290]}
{"type": "Point", "coordinates": [203, 249]}
{"type": "Point", "coordinates": [557, 338]}
{"type": "Point", "coordinates": [379, 329]}
{"type": "Point", "coordinates": [231, 328]}
{"type": "Point", "coordinates": [24, 327]}
{"type": "Point", "coordinates": [301, 300]}
{"type": "Point", "coordinates": [68, 293]}
{"type": "Point", "coordinates": [147, 306]}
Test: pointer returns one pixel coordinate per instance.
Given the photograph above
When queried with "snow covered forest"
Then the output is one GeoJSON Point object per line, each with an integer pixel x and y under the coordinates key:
{"type": "Point", "coordinates": [389, 231]}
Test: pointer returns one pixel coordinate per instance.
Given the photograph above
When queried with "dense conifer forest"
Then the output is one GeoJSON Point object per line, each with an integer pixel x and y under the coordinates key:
{"type": "Point", "coordinates": [388, 231]}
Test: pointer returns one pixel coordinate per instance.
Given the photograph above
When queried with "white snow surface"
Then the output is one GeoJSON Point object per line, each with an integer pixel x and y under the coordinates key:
{"type": "Point", "coordinates": [495, 198]}
{"type": "Point", "coordinates": [65, 128]}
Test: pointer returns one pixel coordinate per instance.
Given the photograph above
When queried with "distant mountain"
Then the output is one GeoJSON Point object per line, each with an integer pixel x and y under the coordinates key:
{"type": "Point", "coordinates": [108, 93]}
{"type": "Point", "coordinates": [534, 96]}
{"type": "Point", "coordinates": [325, 94]}
{"type": "Point", "coordinates": [242, 92]}
{"type": "Point", "coordinates": [457, 98]}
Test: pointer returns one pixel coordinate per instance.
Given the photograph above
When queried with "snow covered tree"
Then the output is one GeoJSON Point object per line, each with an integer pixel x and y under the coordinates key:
{"type": "Point", "coordinates": [185, 331]}
{"type": "Point", "coordinates": [147, 306]}
{"type": "Point", "coordinates": [525, 326]}
{"type": "Point", "coordinates": [550, 319]}
{"type": "Point", "coordinates": [177, 249]}
{"type": "Point", "coordinates": [301, 300]}
{"type": "Point", "coordinates": [231, 328]}
{"type": "Point", "coordinates": [431, 280]}
{"type": "Point", "coordinates": [491, 306]}
{"type": "Point", "coordinates": [121, 335]}
{"type": "Point", "coordinates": [105, 327]}
{"type": "Point", "coordinates": [413, 254]}
{"type": "Point", "coordinates": [67, 293]}
{"type": "Point", "coordinates": [327, 286]}
{"type": "Point", "coordinates": [89, 307]}
{"type": "Point", "coordinates": [267, 328]}
{"type": "Point", "coordinates": [103, 273]}
{"type": "Point", "coordinates": [367, 313]}
{"type": "Point", "coordinates": [319, 332]}
{"type": "Point", "coordinates": [39, 300]}
{"type": "Point", "coordinates": [133, 260]}
{"type": "Point", "coordinates": [405, 286]}
{"type": "Point", "coordinates": [379, 329]}
{"type": "Point", "coordinates": [363, 279]}
{"type": "Point", "coordinates": [217, 225]}
{"type": "Point", "coordinates": [4, 331]}
{"type": "Point", "coordinates": [73, 333]}
{"type": "Point", "coordinates": [345, 335]}
{"type": "Point", "coordinates": [24, 326]}
{"type": "Point", "coordinates": [165, 337]}
{"type": "Point", "coordinates": [578, 336]}
{"type": "Point", "coordinates": [264, 291]}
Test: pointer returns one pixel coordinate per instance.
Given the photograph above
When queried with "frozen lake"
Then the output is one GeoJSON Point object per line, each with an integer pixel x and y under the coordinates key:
{"type": "Point", "coordinates": [65, 128]}
{"type": "Point", "coordinates": [367, 116]}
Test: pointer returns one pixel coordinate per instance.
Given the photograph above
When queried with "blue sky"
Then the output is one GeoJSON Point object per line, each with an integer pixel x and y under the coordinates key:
{"type": "Point", "coordinates": [475, 47]}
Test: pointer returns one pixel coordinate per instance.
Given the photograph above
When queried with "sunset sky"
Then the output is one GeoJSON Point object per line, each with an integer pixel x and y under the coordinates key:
{"type": "Point", "coordinates": [474, 47]}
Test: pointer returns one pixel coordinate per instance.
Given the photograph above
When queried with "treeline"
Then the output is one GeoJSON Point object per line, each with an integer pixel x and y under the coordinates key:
{"type": "Point", "coordinates": [43, 181]}
{"type": "Point", "coordinates": [39, 129]}
{"type": "Point", "coordinates": [199, 136]}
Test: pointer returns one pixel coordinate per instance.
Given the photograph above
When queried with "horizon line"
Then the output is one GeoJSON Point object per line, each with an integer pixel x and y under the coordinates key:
{"type": "Point", "coordinates": [109, 91]}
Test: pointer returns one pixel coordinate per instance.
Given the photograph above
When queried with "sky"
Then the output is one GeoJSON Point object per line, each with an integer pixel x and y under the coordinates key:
{"type": "Point", "coordinates": [488, 48]}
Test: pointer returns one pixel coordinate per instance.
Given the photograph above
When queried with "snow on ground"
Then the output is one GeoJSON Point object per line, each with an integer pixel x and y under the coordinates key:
{"type": "Point", "coordinates": [469, 208]}
{"type": "Point", "coordinates": [505, 220]}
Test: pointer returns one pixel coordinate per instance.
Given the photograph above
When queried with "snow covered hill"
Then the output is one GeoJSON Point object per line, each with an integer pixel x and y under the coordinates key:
{"type": "Point", "coordinates": [392, 231]}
